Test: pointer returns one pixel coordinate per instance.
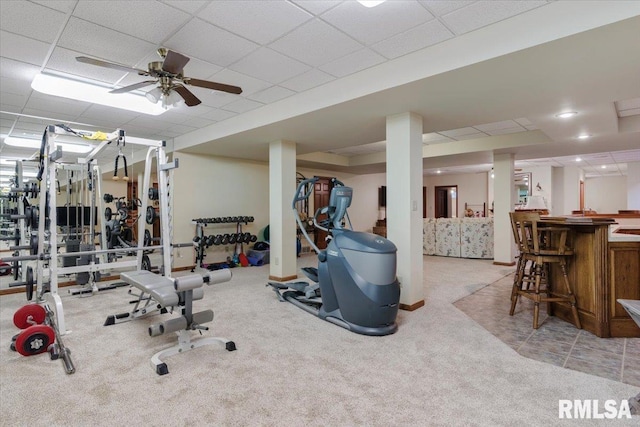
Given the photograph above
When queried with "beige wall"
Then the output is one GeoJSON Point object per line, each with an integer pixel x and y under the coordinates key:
{"type": "Point", "coordinates": [472, 189]}
{"type": "Point", "coordinates": [606, 194]}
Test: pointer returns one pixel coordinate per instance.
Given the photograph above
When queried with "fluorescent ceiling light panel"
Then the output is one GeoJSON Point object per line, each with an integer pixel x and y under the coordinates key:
{"type": "Point", "coordinates": [35, 143]}
{"type": "Point", "coordinates": [370, 3]}
{"type": "Point", "coordinates": [81, 91]}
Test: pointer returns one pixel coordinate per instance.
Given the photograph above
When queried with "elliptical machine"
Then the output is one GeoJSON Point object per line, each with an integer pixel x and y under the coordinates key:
{"type": "Point", "coordinates": [355, 284]}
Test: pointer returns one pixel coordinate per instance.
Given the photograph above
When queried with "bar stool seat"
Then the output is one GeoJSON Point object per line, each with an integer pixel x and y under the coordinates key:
{"type": "Point", "coordinates": [541, 245]}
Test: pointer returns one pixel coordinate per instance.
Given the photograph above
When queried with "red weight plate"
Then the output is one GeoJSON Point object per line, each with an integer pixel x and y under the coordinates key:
{"type": "Point", "coordinates": [33, 312]}
{"type": "Point", "coordinates": [35, 339]}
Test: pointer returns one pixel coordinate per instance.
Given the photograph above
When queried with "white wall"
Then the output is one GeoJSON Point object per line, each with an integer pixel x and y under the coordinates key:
{"type": "Point", "coordinates": [606, 194]}
{"type": "Point", "coordinates": [364, 207]}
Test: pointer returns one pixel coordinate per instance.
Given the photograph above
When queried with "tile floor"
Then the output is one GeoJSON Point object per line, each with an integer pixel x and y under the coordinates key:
{"type": "Point", "coordinates": [555, 341]}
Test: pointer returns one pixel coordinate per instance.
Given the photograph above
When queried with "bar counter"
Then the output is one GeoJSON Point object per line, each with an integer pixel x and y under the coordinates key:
{"type": "Point", "coordinates": [605, 268]}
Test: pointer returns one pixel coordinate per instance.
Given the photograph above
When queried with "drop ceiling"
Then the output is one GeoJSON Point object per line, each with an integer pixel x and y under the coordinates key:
{"type": "Point", "coordinates": [326, 74]}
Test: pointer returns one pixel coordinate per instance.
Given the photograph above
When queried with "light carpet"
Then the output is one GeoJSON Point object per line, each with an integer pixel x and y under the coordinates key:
{"type": "Point", "coordinates": [291, 368]}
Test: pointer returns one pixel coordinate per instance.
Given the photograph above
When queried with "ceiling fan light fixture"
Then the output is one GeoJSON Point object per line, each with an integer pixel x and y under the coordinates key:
{"type": "Point", "coordinates": [154, 95]}
{"type": "Point", "coordinates": [81, 91]}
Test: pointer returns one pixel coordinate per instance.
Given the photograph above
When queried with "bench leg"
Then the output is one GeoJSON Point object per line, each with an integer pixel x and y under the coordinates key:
{"type": "Point", "coordinates": [185, 344]}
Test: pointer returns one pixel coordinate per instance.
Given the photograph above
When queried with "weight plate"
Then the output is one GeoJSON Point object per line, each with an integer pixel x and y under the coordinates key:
{"type": "Point", "coordinates": [153, 194]}
{"type": "Point", "coordinates": [147, 238]}
{"type": "Point", "coordinates": [33, 244]}
{"type": "Point", "coordinates": [123, 212]}
{"type": "Point", "coordinates": [16, 266]}
{"type": "Point", "coordinates": [151, 215]}
{"type": "Point", "coordinates": [108, 213]}
{"type": "Point", "coordinates": [35, 339]}
{"type": "Point", "coordinates": [146, 263]}
{"type": "Point", "coordinates": [30, 312]}
{"type": "Point", "coordinates": [29, 284]}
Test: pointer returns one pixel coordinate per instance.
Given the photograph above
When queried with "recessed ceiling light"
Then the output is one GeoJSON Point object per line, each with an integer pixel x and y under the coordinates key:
{"type": "Point", "coordinates": [584, 136]}
{"type": "Point", "coordinates": [566, 114]}
{"type": "Point", "coordinates": [578, 159]}
{"type": "Point", "coordinates": [370, 3]}
{"type": "Point", "coordinates": [603, 166]}
{"type": "Point", "coordinates": [438, 171]}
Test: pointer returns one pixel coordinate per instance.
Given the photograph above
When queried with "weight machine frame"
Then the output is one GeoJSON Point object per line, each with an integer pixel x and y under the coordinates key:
{"type": "Point", "coordinates": [52, 155]}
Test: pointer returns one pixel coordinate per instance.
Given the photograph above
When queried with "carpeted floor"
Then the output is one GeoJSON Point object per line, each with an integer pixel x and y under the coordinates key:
{"type": "Point", "coordinates": [292, 369]}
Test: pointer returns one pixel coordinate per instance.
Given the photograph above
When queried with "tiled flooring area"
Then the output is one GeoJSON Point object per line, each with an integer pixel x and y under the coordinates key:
{"type": "Point", "coordinates": [555, 341]}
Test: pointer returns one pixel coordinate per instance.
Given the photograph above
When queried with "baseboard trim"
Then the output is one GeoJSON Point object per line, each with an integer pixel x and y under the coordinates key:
{"type": "Point", "coordinates": [508, 264]}
{"type": "Point", "coordinates": [283, 279]}
{"type": "Point", "coordinates": [412, 307]}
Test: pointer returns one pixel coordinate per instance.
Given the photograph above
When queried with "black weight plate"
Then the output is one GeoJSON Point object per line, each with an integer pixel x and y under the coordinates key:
{"type": "Point", "coordinates": [33, 244]}
{"type": "Point", "coordinates": [151, 215]}
{"type": "Point", "coordinates": [29, 285]}
{"type": "Point", "coordinates": [16, 266]}
{"type": "Point", "coordinates": [108, 213]}
{"type": "Point", "coordinates": [147, 238]}
{"type": "Point", "coordinates": [146, 263]}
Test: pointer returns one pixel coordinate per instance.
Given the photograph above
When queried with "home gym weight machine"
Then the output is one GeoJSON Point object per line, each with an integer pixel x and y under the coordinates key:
{"type": "Point", "coordinates": [44, 251]}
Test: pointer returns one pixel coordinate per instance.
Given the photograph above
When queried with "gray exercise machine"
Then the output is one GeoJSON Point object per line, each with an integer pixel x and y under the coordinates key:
{"type": "Point", "coordinates": [633, 308]}
{"type": "Point", "coordinates": [355, 284]}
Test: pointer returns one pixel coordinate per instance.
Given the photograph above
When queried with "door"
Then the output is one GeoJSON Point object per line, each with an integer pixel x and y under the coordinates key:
{"type": "Point", "coordinates": [321, 193]}
{"type": "Point", "coordinates": [446, 201]}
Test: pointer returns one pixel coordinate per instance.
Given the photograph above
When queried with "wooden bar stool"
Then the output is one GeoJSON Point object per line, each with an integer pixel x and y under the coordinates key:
{"type": "Point", "coordinates": [541, 245]}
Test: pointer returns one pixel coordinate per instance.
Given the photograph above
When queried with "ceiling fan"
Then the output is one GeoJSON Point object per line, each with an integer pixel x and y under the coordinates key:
{"type": "Point", "coordinates": [167, 74]}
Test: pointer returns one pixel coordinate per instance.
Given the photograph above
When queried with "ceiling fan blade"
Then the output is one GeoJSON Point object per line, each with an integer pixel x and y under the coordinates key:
{"type": "Point", "coordinates": [133, 86]}
{"type": "Point", "coordinates": [189, 98]}
{"type": "Point", "coordinates": [113, 65]}
{"type": "Point", "coordinates": [212, 85]}
{"type": "Point", "coordinates": [174, 62]}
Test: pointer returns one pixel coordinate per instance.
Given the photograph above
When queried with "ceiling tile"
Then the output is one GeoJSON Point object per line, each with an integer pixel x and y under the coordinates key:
{"type": "Point", "coordinates": [148, 20]}
{"type": "Point", "coordinates": [419, 37]}
{"type": "Point", "coordinates": [504, 124]}
{"type": "Point", "coordinates": [64, 6]}
{"type": "Point", "coordinates": [18, 70]}
{"type": "Point", "coordinates": [311, 78]}
{"type": "Point", "coordinates": [354, 62]}
{"type": "Point", "coordinates": [626, 156]}
{"type": "Point", "coordinates": [315, 43]}
{"type": "Point", "coordinates": [58, 115]}
{"type": "Point", "coordinates": [223, 49]}
{"type": "Point", "coordinates": [212, 98]}
{"type": "Point", "coordinates": [24, 49]}
{"type": "Point", "coordinates": [198, 122]}
{"type": "Point", "coordinates": [242, 106]}
{"type": "Point", "coordinates": [105, 116]}
{"type": "Point", "coordinates": [371, 25]}
{"type": "Point", "coordinates": [14, 99]}
{"type": "Point", "coordinates": [506, 131]}
{"type": "Point", "coordinates": [218, 115]}
{"type": "Point", "coordinates": [471, 136]}
{"type": "Point", "coordinates": [248, 84]}
{"type": "Point", "coordinates": [15, 86]}
{"type": "Point", "coordinates": [40, 101]}
{"type": "Point", "coordinates": [439, 8]}
{"type": "Point", "coordinates": [43, 22]}
{"type": "Point", "coordinates": [628, 104]}
{"type": "Point", "coordinates": [269, 65]}
{"type": "Point", "coordinates": [190, 6]}
{"type": "Point", "coordinates": [272, 94]}
{"type": "Point", "coordinates": [629, 112]}
{"type": "Point", "coordinates": [483, 13]}
{"type": "Point", "coordinates": [435, 138]}
{"type": "Point", "coordinates": [454, 133]}
{"type": "Point", "coordinates": [104, 43]}
{"type": "Point", "coordinates": [316, 6]}
{"type": "Point", "coordinates": [259, 21]}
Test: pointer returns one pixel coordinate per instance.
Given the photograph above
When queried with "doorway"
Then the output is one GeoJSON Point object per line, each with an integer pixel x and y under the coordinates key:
{"type": "Point", "coordinates": [321, 194]}
{"type": "Point", "coordinates": [446, 201]}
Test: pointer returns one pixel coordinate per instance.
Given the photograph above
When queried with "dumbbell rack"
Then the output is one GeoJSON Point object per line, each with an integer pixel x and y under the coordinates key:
{"type": "Point", "coordinates": [202, 242]}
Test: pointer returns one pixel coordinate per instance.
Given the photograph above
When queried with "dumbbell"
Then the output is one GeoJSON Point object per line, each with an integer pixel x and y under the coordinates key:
{"type": "Point", "coordinates": [35, 337]}
{"type": "Point", "coordinates": [209, 240]}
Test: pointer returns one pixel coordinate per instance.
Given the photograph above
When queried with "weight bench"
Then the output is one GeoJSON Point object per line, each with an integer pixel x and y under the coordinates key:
{"type": "Point", "coordinates": [160, 293]}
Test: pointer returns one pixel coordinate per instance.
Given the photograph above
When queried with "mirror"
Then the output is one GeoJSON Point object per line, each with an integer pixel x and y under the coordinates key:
{"type": "Point", "coordinates": [522, 181]}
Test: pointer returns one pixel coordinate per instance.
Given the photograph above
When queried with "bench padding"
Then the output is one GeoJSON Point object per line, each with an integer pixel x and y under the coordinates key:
{"type": "Point", "coordinates": [159, 287]}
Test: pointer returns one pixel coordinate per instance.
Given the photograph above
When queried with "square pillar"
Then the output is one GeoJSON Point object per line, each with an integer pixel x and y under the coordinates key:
{"type": "Point", "coordinates": [404, 204]}
{"type": "Point", "coordinates": [282, 223]}
{"type": "Point", "coordinates": [504, 189]}
{"type": "Point", "coordinates": [633, 185]}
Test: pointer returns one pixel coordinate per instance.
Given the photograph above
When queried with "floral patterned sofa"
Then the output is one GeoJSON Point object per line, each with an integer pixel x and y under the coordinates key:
{"type": "Point", "coordinates": [458, 237]}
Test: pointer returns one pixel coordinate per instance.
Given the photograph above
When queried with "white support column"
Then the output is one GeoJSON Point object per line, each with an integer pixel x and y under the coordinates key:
{"type": "Point", "coordinates": [282, 224]}
{"type": "Point", "coordinates": [504, 202]}
{"type": "Point", "coordinates": [404, 204]}
{"type": "Point", "coordinates": [633, 185]}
